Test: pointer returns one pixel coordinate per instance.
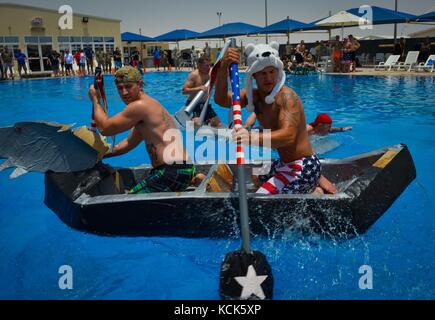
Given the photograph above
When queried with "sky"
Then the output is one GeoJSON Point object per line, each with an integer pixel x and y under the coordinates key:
{"type": "Point", "coordinates": [161, 16]}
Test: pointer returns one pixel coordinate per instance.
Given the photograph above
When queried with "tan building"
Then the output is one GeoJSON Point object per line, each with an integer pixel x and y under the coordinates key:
{"type": "Point", "coordinates": [36, 31]}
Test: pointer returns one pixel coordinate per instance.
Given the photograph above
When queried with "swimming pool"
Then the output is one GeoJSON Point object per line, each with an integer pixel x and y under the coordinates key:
{"type": "Point", "coordinates": [400, 247]}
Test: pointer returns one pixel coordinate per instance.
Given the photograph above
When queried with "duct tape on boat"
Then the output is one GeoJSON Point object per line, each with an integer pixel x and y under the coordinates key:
{"type": "Point", "coordinates": [385, 159]}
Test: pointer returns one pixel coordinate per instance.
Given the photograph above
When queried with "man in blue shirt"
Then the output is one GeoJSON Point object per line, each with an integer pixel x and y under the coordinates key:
{"type": "Point", "coordinates": [21, 59]}
{"type": "Point", "coordinates": [157, 57]}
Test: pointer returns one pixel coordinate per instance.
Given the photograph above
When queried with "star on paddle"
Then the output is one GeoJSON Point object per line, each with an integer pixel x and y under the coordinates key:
{"type": "Point", "coordinates": [251, 284]}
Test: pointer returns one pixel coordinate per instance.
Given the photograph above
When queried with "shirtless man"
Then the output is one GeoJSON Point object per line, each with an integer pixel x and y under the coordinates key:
{"type": "Point", "coordinates": [279, 109]}
{"type": "Point", "coordinates": [196, 83]}
{"type": "Point", "coordinates": [300, 51]}
{"type": "Point", "coordinates": [147, 121]}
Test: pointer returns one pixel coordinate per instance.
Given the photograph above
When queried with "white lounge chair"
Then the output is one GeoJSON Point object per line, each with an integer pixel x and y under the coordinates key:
{"type": "Point", "coordinates": [410, 61]}
{"type": "Point", "coordinates": [390, 63]}
{"type": "Point", "coordinates": [429, 65]}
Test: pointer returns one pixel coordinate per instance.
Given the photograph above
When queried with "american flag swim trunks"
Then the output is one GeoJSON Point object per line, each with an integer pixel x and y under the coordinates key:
{"type": "Point", "coordinates": [298, 177]}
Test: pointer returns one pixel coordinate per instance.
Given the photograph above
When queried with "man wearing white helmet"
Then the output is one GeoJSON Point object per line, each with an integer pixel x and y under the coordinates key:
{"type": "Point", "coordinates": [279, 109]}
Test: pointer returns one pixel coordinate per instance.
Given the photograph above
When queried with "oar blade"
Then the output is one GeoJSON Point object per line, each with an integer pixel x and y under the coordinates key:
{"type": "Point", "coordinates": [246, 277]}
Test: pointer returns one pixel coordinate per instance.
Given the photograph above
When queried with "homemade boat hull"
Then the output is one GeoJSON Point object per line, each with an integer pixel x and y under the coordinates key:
{"type": "Point", "coordinates": [368, 185]}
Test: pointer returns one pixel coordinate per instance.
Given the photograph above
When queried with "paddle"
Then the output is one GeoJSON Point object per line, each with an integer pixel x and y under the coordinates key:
{"type": "Point", "coordinates": [99, 86]}
{"type": "Point", "coordinates": [213, 78]}
{"type": "Point", "coordinates": [244, 274]}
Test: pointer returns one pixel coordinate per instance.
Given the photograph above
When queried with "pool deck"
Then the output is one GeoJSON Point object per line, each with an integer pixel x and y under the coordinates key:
{"type": "Point", "coordinates": [359, 72]}
{"type": "Point", "coordinates": [394, 73]}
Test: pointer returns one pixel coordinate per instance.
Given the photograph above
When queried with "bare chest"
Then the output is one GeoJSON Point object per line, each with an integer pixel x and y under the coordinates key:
{"type": "Point", "coordinates": [268, 116]}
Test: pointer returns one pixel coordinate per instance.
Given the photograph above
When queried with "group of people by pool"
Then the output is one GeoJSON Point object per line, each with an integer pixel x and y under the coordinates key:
{"type": "Point", "coordinates": [274, 105]}
{"type": "Point", "coordinates": [342, 53]}
{"type": "Point", "coordinates": [62, 63]}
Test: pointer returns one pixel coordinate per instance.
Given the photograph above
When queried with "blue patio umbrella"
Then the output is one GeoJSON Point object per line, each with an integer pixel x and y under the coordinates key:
{"type": "Point", "coordinates": [133, 37]}
{"type": "Point", "coordinates": [284, 26]}
{"type": "Point", "coordinates": [384, 15]}
{"type": "Point", "coordinates": [177, 35]}
{"type": "Point", "coordinates": [229, 30]}
{"type": "Point", "coordinates": [427, 17]}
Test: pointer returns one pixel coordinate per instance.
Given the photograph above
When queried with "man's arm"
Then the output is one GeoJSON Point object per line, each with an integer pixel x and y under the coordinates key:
{"type": "Point", "coordinates": [189, 87]}
{"type": "Point", "coordinates": [336, 129]}
{"type": "Point", "coordinates": [121, 122]}
{"type": "Point", "coordinates": [133, 140]}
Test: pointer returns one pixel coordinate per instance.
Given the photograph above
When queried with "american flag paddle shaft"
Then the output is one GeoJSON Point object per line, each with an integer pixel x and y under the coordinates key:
{"type": "Point", "coordinates": [238, 124]}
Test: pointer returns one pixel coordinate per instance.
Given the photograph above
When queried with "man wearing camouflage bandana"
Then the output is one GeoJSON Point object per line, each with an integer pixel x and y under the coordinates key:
{"type": "Point", "coordinates": [148, 121]}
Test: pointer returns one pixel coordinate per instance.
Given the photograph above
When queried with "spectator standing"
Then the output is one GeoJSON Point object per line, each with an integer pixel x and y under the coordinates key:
{"type": "Point", "coordinates": [399, 48]}
{"type": "Point", "coordinates": [207, 51]}
{"type": "Point", "coordinates": [82, 65]}
{"type": "Point", "coordinates": [90, 59]}
{"type": "Point", "coordinates": [100, 58]}
{"type": "Point", "coordinates": [69, 60]}
{"type": "Point", "coordinates": [117, 58]}
{"type": "Point", "coordinates": [8, 63]}
{"type": "Point", "coordinates": [53, 61]}
{"type": "Point", "coordinates": [425, 50]}
{"type": "Point", "coordinates": [21, 60]}
{"type": "Point", "coordinates": [108, 62]}
{"type": "Point", "coordinates": [157, 58]}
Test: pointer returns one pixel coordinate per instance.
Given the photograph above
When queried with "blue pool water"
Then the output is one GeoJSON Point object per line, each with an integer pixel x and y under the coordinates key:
{"type": "Point", "coordinates": [400, 247]}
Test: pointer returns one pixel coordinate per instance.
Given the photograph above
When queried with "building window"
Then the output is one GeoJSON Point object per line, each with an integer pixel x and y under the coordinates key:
{"type": "Point", "coordinates": [35, 39]}
{"type": "Point", "coordinates": [11, 40]}
{"type": "Point", "coordinates": [62, 39]}
{"type": "Point", "coordinates": [75, 43]}
{"type": "Point", "coordinates": [31, 39]}
{"type": "Point", "coordinates": [76, 39]}
{"type": "Point", "coordinates": [45, 40]}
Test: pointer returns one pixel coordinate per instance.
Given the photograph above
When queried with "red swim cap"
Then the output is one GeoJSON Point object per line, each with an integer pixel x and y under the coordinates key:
{"type": "Point", "coordinates": [322, 118]}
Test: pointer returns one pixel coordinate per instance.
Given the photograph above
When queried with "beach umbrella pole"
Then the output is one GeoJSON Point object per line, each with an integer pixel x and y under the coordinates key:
{"type": "Point", "coordinates": [245, 274]}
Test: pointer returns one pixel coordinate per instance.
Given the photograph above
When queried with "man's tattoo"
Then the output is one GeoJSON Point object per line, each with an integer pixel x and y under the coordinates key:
{"type": "Point", "coordinates": [290, 110]}
{"type": "Point", "coordinates": [152, 152]}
